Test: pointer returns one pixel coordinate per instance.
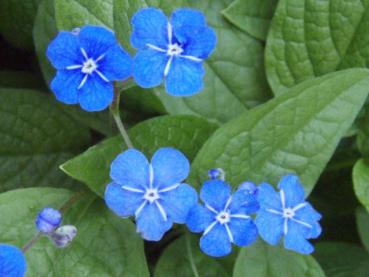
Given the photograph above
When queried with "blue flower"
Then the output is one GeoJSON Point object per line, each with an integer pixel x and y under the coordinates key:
{"type": "Point", "coordinates": [152, 192]}
{"type": "Point", "coordinates": [172, 50]}
{"type": "Point", "coordinates": [12, 261]}
{"type": "Point", "coordinates": [286, 213]}
{"type": "Point", "coordinates": [87, 61]}
{"type": "Point", "coordinates": [48, 220]}
{"type": "Point", "coordinates": [224, 219]}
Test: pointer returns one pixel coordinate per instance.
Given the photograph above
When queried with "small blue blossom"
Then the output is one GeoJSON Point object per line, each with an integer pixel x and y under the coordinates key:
{"type": "Point", "coordinates": [87, 61]}
{"type": "Point", "coordinates": [287, 213]}
{"type": "Point", "coordinates": [152, 192]}
{"type": "Point", "coordinates": [223, 219]}
{"type": "Point", "coordinates": [48, 220]}
{"type": "Point", "coordinates": [12, 261]}
{"type": "Point", "coordinates": [173, 50]}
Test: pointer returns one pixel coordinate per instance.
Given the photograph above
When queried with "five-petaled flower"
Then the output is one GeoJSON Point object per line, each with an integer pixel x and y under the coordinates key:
{"type": "Point", "coordinates": [152, 192]}
{"type": "Point", "coordinates": [224, 218]}
{"type": "Point", "coordinates": [87, 61]}
{"type": "Point", "coordinates": [172, 50]}
{"type": "Point", "coordinates": [286, 213]}
{"type": "Point", "coordinates": [12, 261]}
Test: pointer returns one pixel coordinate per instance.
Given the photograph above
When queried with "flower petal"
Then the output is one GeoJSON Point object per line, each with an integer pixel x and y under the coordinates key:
{"type": "Point", "coordinates": [199, 218]}
{"type": "Point", "coordinates": [201, 44]}
{"type": "Point", "coordinates": [244, 231]}
{"type": "Point", "coordinates": [178, 202]}
{"type": "Point", "coordinates": [170, 166]}
{"type": "Point", "coordinates": [310, 216]}
{"type": "Point", "coordinates": [96, 94]}
{"type": "Point", "coordinates": [184, 77]}
{"type": "Point", "coordinates": [216, 243]}
{"type": "Point", "coordinates": [150, 223]}
{"type": "Point", "coordinates": [131, 168]}
{"type": "Point", "coordinates": [117, 64]}
{"type": "Point", "coordinates": [244, 199]}
{"type": "Point", "coordinates": [215, 193]}
{"type": "Point", "coordinates": [65, 85]}
{"type": "Point", "coordinates": [148, 68]}
{"type": "Point", "coordinates": [96, 40]}
{"type": "Point", "coordinates": [12, 261]}
{"type": "Point", "coordinates": [293, 190]}
{"type": "Point", "coordinates": [122, 202]}
{"type": "Point", "coordinates": [187, 18]}
{"type": "Point", "coordinates": [270, 226]}
{"type": "Point", "coordinates": [295, 241]}
{"type": "Point", "coordinates": [268, 197]}
{"type": "Point", "coordinates": [150, 26]}
{"type": "Point", "coordinates": [64, 51]}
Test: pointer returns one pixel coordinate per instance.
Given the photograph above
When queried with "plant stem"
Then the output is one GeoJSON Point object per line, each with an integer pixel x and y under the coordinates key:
{"type": "Point", "coordinates": [31, 242]}
{"type": "Point", "coordinates": [114, 108]}
{"type": "Point", "coordinates": [190, 256]}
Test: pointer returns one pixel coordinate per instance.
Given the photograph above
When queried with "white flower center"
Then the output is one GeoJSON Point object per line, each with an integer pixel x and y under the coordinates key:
{"type": "Point", "coordinates": [151, 195]}
{"type": "Point", "coordinates": [174, 50]}
{"type": "Point", "coordinates": [223, 217]}
{"type": "Point", "coordinates": [89, 66]}
{"type": "Point", "coordinates": [288, 213]}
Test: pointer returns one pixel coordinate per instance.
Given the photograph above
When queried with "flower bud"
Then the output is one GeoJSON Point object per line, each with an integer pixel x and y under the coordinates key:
{"type": "Point", "coordinates": [48, 220]}
{"type": "Point", "coordinates": [216, 173]}
{"type": "Point", "coordinates": [63, 236]}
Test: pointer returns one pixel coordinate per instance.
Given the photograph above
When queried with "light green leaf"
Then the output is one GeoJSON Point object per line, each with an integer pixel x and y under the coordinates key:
{"type": "Point", "coordinates": [339, 259]}
{"type": "Point", "coordinates": [105, 245]}
{"type": "Point", "coordinates": [295, 133]}
{"type": "Point", "coordinates": [360, 178]}
{"type": "Point", "coordinates": [183, 258]}
{"type": "Point", "coordinates": [262, 260]}
{"type": "Point", "coordinates": [36, 137]}
{"type": "Point", "coordinates": [16, 21]}
{"type": "Point", "coordinates": [234, 79]}
{"type": "Point", "coordinates": [362, 222]}
{"type": "Point", "coordinates": [252, 16]}
{"type": "Point", "coordinates": [186, 133]}
{"type": "Point", "coordinates": [312, 38]}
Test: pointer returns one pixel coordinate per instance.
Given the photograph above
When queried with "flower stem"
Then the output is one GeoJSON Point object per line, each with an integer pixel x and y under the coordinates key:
{"type": "Point", "coordinates": [31, 242]}
{"type": "Point", "coordinates": [190, 256]}
{"type": "Point", "coordinates": [114, 108]}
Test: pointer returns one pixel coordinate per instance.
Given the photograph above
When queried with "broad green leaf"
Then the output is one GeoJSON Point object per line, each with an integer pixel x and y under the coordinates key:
{"type": "Point", "coordinates": [340, 259]}
{"type": "Point", "coordinates": [36, 137]}
{"type": "Point", "coordinates": [362, 222]}
{"type": "Point", "coordinates": [360, 177]}
{"type": "Point", "coordinates": [183, 258]}
{"type": "Point", "coordinates": [105, 245]}
{"type": "Point", "coordinates": [362, 138]}
{"type": "Point", "coordinates": [311, 38]}
{"type": "Point", "coordinates": [252, 16]}
{"type": "Point", "coordinates": [262, 260]}
{"type": "Point", "coordinates": [234, 79]}
{"type": "Point", "coordinates": [295, 133]}
{"type": "Point", "coordinates": [16, 21]}
{"type": "Point", "coordinates": [186, 133]}
{"type": "Point", "coordinates": [20, 79]}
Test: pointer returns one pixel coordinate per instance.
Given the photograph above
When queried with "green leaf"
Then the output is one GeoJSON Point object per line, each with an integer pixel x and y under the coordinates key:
{"type": "Point", "coordinates": [36, 137]}
{"type": "Point", "coordinates": [186, 133]}
{"type": "Point", "coordinates": [262, 260]}
{"type": "Point", "coordinates": [339, 259]}
{"type": "Point", "coordinates": [252, 16]}
{"type": "Point", "coordinates": [234, 80]}
{"type": "Point", "coordinates": [360, 177]}
{"type": "Point", "coordinates": [295, 133]}
{"type": "Point", "coordinates": [105, 245]}
{"type": "Point", "coordinates": [16, 21]}
{"type": "Point", "coordinates": [312, 38]}
{"type": "Point", "coordinates": [20, 79]}
{"type": "Point", "coordinates": [362, 222]}
{"type": "Point", "coordinates": [183, 258]}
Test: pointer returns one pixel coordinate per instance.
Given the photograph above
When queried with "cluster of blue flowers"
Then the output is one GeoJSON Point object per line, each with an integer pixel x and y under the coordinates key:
{"type": "Point", "coordinates": [89, 59]}
{"type": "Point", "coordinates": [154, 193]}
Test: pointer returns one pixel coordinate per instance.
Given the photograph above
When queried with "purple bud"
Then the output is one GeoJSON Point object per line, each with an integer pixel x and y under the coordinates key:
{"type": "Point", "coordinates": [216, 173]}
{"type": "Point", "coordinates": [63, 236]}
{"type": "Point", "coordinates": [48, 220]}
{"type": "Point", "coordinates": [249, 187]}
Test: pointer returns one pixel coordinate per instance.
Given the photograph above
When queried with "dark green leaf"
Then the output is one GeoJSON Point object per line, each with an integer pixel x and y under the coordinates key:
{"type": "Point", "coordinates": [36, 137]}
{"type": "Point", "coordinates": [360, 177]}
{"type": "Point", "coordinates": [312, 38]}
{"type": "Point", "coordinates": [105, 244]}
{"type": "Point", "coordinates": [362, 222]}
{"type": "Point", "coordinates": [20, 79]}
{"type": "Point", "coordinates": [294, 133]}
{"type": "Point", "coordinates": [252, 16]}
{"type": "Point", "coordinates": [186, 133]}
{"type": "Point", "coordinates": [339, 259]}
{"type": "Point", "coordinates": [262, 260]}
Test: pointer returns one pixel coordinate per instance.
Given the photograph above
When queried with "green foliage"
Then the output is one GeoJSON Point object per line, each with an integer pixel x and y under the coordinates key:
{"type": "Point", "coordinates": [360, 176]}
{"type": "Point", "coordinates": [362, 221]}
{"type": "Point", "coordinates": [261, 260]}
{"type": "Point", "coordinates": [295, 133]}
